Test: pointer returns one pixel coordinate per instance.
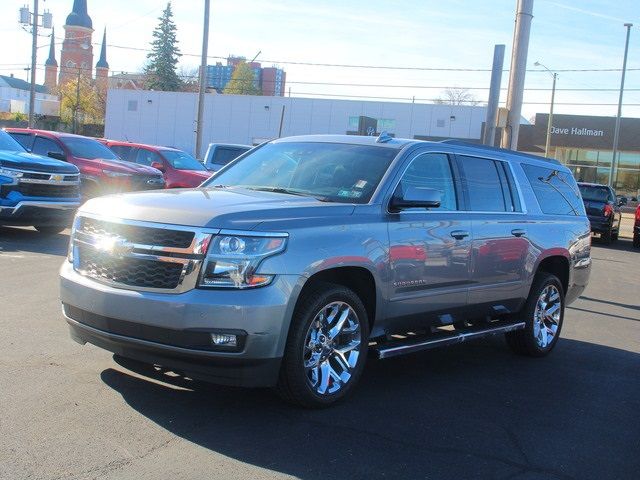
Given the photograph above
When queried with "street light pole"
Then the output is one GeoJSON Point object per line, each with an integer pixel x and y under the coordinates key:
{"type": "Point", "coordinates": [547, 147]}
{"type": "Point", "coordinates": [616, 132]}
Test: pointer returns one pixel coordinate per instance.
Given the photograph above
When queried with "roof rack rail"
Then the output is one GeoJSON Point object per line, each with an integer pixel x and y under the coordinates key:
{"type": "Point", "coordinates": [462, 143]}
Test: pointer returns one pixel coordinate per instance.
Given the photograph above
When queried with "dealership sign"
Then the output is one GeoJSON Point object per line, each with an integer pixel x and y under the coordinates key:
{"type": "Point", "coordinates": [576, 131]}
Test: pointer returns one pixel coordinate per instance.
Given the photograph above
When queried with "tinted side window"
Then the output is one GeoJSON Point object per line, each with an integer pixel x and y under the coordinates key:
{"type": "Point", "coordinates": [432, 170]}
{"type": "Point", "coordinates": [147, 157]}
{"type": "Point", "coordinates": [123, 151]}
{"type": "Point", "coordinates": [42, 146]}
{"type": "Point", "coordinates": [556, 191]}
{"type": "Point", "coordinates": [25, 139]}
{"type": "Point", "coordinates": [486, 189]}
{"type": "Point", "coordinates": [222, 156]}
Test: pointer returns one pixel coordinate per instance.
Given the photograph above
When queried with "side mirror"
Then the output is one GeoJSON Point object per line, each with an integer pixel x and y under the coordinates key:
{"type": "Point", "coordinates": [416, 197]}
{"type": "Point", "coordinates": [57, 156]}
{"type": "Point", "coordinates": [158, 166]}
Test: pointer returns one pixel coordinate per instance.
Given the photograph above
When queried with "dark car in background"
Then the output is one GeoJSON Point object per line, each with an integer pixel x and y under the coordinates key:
{"type": "Point", "coordinates": [101, 171]}
{"type": "Point", "coordinates": [220, 154]}
{"type": "Point", "coordinates": [36, 191]}
{"type": "Point", "coordinates": [603, 210]}
{"type": "Point", "coordinates": [180, 169]}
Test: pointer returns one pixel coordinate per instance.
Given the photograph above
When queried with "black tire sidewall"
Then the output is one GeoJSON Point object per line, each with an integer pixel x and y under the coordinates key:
{"type": "Point", "coordinates": [293, 361]}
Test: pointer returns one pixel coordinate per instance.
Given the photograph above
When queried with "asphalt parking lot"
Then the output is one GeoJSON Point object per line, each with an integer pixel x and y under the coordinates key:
{"type": "Point", "coordinates": [470, 411]}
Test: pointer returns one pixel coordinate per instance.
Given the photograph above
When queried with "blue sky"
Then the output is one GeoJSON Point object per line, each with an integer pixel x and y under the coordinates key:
{"type": "Point", "coordinates": [435, 34]}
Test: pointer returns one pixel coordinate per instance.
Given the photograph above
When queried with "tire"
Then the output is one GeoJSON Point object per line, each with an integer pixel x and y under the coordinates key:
{"type": "Point", "coordinates": [636, 241]}
{"type": "Point", "coordinates": [607, 237]}
{"type": "Point", "coordinates": [529, 341]}
{"type": "Point", "coordinates": [310, 343]}
{"type": "Point", "coordinates": [50, 229]}
{"type": "Point", "coordinates": [614, 236]}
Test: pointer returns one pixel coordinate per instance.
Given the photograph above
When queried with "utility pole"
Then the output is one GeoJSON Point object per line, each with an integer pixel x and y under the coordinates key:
{"type": "Point", "coordinates": [494, 96]}
{"type": "Point", "coordinates": [32, 19]}
{"type": "Point", "coordinates": [34, 51]}
{"type": "Point", "coordinates": [517, 73]}
{"type": "Point", "coordinates": [203, 80]}
{"type": "Point", "coordinates": [616, 132]}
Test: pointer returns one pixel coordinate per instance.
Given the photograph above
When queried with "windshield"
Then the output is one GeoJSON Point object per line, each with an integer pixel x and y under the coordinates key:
{"type": "Point", "coordinates": [88, 148]}
{"type": "Point", "coordinates": [7, 142]}
{"type": "Point", "coordinates": [182, 160]}
{"type": "Point", "coordinates": [330, 171]}
{"type": "Point", "coordinates": [594, 193]}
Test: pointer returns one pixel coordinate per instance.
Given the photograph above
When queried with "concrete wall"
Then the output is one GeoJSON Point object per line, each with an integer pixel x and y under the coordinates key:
{"type": "Point", "coordinates": [167, 118]}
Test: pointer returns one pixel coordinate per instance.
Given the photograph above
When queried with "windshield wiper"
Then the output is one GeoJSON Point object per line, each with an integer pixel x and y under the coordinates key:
{"type": "Point", "coordinates": [287, 192]}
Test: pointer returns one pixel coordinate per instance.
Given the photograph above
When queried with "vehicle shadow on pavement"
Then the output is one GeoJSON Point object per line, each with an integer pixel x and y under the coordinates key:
{"type": "Point", "coordinates": [473, 410]}
{"type": "Point", "coordinates": [622, 244]}
{"type": "Point", "coordinates": [14, 240]}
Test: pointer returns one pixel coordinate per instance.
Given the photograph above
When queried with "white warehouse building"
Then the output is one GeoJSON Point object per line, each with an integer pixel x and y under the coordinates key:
{"type": "Point", "coordinates": [168, 118]}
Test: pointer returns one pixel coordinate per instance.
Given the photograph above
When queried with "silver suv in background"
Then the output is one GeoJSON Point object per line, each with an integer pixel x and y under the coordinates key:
{"type": "Point", "coordinates": [291, 265]}
{"type": "Point", "coordinates": [220, 154]}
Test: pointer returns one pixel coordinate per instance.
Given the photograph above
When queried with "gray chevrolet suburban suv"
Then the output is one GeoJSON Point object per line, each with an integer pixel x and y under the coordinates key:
{"type": "Point", "coordinates": [295, 262]}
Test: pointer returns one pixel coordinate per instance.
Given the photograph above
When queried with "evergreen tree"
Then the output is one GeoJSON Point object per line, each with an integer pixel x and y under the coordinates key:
{"type": "Point", "coordinates": [163, 59]}
{"type": "Point", "coordinates": [242, 81]}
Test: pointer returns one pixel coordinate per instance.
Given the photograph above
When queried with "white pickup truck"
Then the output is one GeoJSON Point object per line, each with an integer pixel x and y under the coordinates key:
{"type": "Point", "coordinates": [219, 154]}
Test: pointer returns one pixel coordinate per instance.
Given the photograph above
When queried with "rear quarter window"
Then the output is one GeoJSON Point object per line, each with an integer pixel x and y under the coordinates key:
{"type": "Point", "coordinates": [556, 191]}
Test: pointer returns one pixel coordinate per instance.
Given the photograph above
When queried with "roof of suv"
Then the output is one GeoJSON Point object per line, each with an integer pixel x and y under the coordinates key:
{"type": "Point", "coordinates": [399, 143]}
{"type": "Point", "coordinates": [135, 144]}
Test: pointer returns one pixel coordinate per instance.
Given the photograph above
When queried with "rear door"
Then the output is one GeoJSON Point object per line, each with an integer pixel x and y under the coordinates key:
{"type": "Point", "coordinates": [500, 244]}
{"type": "Point", "coordinates": [429, 249]}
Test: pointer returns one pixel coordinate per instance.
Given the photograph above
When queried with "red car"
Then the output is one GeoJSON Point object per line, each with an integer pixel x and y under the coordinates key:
{"type": "Point", "coordinates": [101, 171]}
{"type": "Point", "coordinates": [180, 169]}
{"type": "Point", "coordinates": [636, 228]}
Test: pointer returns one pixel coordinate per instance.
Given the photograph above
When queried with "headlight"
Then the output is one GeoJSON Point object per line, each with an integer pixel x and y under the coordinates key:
{"type": "Point", "coordinates": [75, 226]}
{"type": "Point", "coordinates": [232, 260]}
{"type": "Point", "coordinates": [111, 173]}
{"type": "Point", "coordinates": [7, 172]}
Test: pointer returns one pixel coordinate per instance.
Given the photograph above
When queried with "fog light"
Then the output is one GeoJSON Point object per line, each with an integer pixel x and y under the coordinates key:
{"type": "Point", "coordinates": [224, 340]}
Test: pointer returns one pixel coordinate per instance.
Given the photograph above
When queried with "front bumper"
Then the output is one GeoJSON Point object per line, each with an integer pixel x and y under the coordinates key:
{"type": "Point", "coordinates": [156, 321]}
{"type": "Point", "coordinates": [39, 212]}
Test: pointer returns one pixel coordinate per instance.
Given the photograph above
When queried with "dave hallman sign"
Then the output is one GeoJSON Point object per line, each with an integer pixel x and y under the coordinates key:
{"type": "Point", "coordinates": [584, 131]}
{"type": "Point", "coordinates": [576, 131]}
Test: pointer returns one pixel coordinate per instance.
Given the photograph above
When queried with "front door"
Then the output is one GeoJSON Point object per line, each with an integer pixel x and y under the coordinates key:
{"type": "Point", "coordinates": [429, 250]}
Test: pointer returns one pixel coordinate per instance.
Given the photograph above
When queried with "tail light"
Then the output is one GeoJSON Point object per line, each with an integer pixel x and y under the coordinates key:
{"type": "Point", "coordinates": [638, 214]}
{"type": "Point", "coordinates": [607, 210]}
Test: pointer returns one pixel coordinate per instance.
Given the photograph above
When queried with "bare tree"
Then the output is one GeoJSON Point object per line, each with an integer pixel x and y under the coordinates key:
{"type": "Point", "coordinates": [457, 96]}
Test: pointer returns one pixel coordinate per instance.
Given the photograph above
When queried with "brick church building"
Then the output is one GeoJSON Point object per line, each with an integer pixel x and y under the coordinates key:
{"type": "Point", "coordinates": [76, 56]}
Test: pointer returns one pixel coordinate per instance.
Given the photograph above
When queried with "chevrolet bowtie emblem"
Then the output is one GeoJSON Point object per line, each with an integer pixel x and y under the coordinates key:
{"type": "Point", "coordinates": [57, 178]}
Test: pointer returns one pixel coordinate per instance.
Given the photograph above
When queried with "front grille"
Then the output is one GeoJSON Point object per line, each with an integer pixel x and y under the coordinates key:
{"type": "Point", "coordinates": [37, 176]}
{"type": "Point", "coordinates": [128, 271]}
{"type": "Point", "coordinates": [42, 190]}
{"type": "Point", "coordinates": [160, 237]}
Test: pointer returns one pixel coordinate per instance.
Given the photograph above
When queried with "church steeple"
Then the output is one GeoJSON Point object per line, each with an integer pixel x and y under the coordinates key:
{"type": "Point", "coordinates": [79, 16]}
{"type": "Point", "coordinates": [51, 65]}
{"type": "Point", "coordinates": [102, 63]}
{"type": "Point", "coordinates": [51, 61]}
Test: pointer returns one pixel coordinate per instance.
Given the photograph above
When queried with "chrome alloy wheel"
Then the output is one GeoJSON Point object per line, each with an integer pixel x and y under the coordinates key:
{"type": "Point", "coordinates": [547, 316]}
{"type": "Point", "coordinates": [332, 347]}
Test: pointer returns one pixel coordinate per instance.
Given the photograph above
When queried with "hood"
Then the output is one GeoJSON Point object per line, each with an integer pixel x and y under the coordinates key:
{"type": "Point", "coordinates": [203, 174]}
{"type": "Point", "coordinates": [128, 167]}
{"type": "Point", "coordinates": [35, 163]}
{"type": "Point", "coordinates": [232, 208]}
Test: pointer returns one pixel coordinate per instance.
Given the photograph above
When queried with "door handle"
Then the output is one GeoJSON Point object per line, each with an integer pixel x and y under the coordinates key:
{"type": "Point", "coordinates": [459, 234]}
{"type": "Point", "coordinates": [518, 232]}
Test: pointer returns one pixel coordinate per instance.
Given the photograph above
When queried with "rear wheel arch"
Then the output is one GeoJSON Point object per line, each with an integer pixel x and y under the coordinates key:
{"type": "Point", "coordinates": [557, 265]}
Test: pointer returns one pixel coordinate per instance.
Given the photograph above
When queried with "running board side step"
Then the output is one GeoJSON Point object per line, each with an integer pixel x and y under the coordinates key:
{"type": "Point", "coordinates": [411, 345]}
